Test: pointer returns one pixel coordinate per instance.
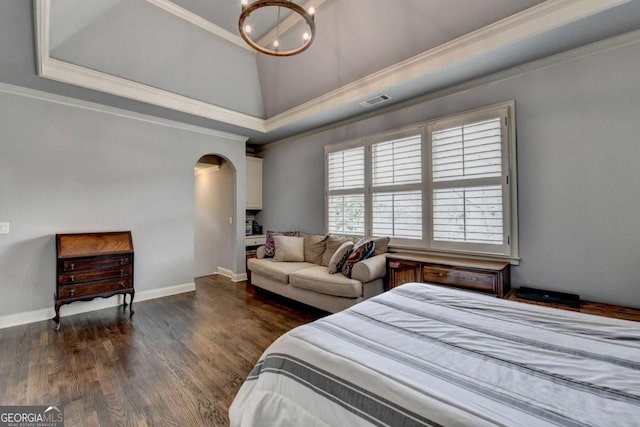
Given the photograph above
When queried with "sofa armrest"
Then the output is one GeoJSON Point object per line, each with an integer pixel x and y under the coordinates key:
{"type": "Point", "coordinates": [260, 252]}
{"type": "Point", "coordinates": [370, 269]}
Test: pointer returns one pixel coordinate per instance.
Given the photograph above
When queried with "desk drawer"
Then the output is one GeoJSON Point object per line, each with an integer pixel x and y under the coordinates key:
{"type": "Point", "coordinates": [475, 280]}
{"type": "Point", "coordinates": [73, 291]}
{"type": "Point", "coordinates": [255, 241]}
{"type": "Point", "coordinates": [96, 263]}
{"type": "Point", "coordinates": [90, 275]}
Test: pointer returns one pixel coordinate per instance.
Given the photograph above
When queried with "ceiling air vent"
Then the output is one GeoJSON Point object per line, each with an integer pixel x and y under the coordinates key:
{"type": "Point", "coordinates": [375, 100]}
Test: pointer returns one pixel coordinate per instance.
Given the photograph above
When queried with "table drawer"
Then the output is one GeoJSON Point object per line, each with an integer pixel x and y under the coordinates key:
{"type": "Point", "coordinates": [73, 291]}
{"type": "Point", "coordinates": [255, 241]}
{"type": "Point", "coordinates": [95, 263]}
{"type": "Point", "coordinates": [90, 275]}
{"type": "Point", "coordinates": [475, 280]}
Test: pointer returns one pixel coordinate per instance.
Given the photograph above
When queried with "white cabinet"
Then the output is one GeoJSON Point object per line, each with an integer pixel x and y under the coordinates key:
{"type": "Point", "coordinates": [254, 183]}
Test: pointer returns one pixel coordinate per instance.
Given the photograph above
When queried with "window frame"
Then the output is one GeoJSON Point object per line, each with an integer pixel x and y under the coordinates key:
{"type": "Point", "coordinates": [509, 250]}
{"type": "Point", "coordinates": [381, 138]}
{"type": "Point", "coordinates": [342, 192]}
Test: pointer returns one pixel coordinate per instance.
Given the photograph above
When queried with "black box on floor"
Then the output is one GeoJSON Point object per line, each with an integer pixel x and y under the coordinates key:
{"type": "Point", "coordinates": [571, 300]}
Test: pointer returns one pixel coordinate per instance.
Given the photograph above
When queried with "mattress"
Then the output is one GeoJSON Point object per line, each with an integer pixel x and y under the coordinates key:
{"type": "Point", "coordinates": [423, 355]}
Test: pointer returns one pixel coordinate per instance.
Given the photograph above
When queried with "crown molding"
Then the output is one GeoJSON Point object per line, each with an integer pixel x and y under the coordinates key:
{"type": "Point", "coordinates": [81, 76]}
{"type": "Point", "coordinates": [198, 21]}
{"type": "Point", "coordinates": [627, 39]}
{"type": "Point", "coordinates": [530, 22]}
{"type": "Point", "coordinates": [101, 108]}
{"type": "Point", "coordinates": [77, 75]}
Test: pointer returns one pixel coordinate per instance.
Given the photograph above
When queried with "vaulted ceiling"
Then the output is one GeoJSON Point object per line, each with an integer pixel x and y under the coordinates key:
{"type": "Point", "coordinates": [184, 59]}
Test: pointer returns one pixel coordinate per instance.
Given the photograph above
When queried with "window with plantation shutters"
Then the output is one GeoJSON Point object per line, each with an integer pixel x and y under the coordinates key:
{"type": "Point", "coordinates": [469, 183]}
{"type": "Point", "coordinates": [444, 186]}
{"type": "Point", "coordinates": [345, 191]}
{"type": "Point", "coordinates": [396, 187]}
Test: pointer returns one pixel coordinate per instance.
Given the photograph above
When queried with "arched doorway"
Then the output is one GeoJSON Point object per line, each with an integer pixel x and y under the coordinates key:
{"type": "Point", "coordinates": [215, 228]}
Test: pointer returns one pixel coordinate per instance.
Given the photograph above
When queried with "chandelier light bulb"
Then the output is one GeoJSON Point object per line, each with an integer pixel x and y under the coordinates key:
{"type": "Point", "coordinates": [247, 29]}
{"type": "Point", "coordinates": [305, 36]}
{"type": "Point", "coordinates": [311, 10]}
{"type": "Point", "coordinates": [244, 2]}
{"type": "Point", "coordinates": [276, 43]}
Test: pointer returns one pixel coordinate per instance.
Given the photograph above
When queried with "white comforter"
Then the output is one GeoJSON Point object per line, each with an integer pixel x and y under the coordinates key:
{"type": "Point", "coordinates": [426, 355]}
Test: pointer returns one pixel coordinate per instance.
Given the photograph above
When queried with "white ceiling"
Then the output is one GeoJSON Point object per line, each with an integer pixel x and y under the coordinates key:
{"type": "Point", "coordinates": [186, 55]}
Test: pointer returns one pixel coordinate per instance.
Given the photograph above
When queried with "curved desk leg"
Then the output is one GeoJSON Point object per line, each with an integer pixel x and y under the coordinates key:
{"type": "Point", "coordinates": [57, 317]}
{"type": "Point", "coordinates": [131, 312]}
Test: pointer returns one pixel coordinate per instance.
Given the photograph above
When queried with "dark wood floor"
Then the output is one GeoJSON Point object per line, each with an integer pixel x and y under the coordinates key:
{"type": "Point", "coordinates": [178, 362]}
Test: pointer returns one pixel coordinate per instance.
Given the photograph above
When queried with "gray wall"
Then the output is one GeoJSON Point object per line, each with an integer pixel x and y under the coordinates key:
{"type": "Point", "coordinates": [578, 153]}
{"type": "Point", "coordinates": [214, 196]}
{"type": "Point", "coordinates": [67, 169]}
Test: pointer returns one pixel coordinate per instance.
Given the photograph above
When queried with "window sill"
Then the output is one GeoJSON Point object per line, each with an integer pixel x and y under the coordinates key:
{"type": "Point", "coordinates": [472, 255]}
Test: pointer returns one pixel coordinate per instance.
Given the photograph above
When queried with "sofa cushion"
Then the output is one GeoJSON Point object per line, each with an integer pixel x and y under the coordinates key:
{"type": "Point", "coordinates": [269, 245]}
{"type": "Point", "coordinates": [275, 270]}
{"type": "Point", "coordinates": [288, 249]}
{"type": "Point", "coordinates": [333, 243]}
{"type": "Point", "coordinates": [382, 245]}
{"type": "Point", "coordinates": [318, 279]}
{"type": "Point", "coordinates": [314, 247]}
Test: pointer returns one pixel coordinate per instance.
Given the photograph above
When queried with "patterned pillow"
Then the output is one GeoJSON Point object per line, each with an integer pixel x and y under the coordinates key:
{"type": "Point", "coordinates": [362, 250]}
{"type": "Point", "coordinates": [270, 247]}
{"type": "Point", "coordinates": [339, 257]}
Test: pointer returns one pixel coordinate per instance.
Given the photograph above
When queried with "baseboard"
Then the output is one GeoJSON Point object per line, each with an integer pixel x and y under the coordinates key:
{"type": "Point", "coordinates": [86, 306]}
{"type": "Point", "coordinates": [235, 277]}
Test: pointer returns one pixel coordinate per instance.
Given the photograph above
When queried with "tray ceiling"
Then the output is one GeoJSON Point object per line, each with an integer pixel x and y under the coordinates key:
{"type": "Point", "coordinates": [186, 55]}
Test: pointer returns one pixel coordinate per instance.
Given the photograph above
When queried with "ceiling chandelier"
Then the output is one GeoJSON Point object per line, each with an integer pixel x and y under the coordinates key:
{"type": "Point", "coordinates": [276, 42]}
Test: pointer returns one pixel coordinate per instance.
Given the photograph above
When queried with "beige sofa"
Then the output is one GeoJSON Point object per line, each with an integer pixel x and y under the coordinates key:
{"type": "Point", "coordinates": [312, 284]}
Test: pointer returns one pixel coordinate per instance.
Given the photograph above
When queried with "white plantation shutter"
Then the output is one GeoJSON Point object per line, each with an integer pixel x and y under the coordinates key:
{"type": "Point", "coordinates": [472, 150]}
{"type": "Point", "coordinates": [442, 186]}
{"type": "Point", "coordinates": [472, 214]}
{"type": "Point", "coordinates": [396, 175]}
{"type": "Point", "coordinates": [346, 214]}
{"type": "Point", "coordinates": [346, 169]}
{"type": "Point", "coordinates": [345, 191]}
{"type": "Point", "coordinates": [469, 206]}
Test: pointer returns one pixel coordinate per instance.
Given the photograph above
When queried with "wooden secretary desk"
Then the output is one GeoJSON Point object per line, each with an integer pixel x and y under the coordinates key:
{"type": "Point", "coordinates": [91, 265]}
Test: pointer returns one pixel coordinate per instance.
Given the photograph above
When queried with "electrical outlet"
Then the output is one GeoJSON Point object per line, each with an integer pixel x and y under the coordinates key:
{"type": "Point", "coordinates": [4, 228]}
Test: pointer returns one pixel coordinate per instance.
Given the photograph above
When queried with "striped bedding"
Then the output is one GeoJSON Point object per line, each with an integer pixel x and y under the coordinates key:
{"type": "Point", "coordinates": [423, 355]}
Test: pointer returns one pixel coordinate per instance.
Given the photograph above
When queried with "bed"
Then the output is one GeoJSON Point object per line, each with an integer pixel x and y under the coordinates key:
{"type": "Point", "coordinates": [423, 355]}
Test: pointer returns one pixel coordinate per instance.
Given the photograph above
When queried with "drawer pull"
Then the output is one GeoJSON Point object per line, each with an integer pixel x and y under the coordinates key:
{"type": "Point", "coordinates": [122, 261]}
{"type": "Point", "coordinates": [72, 266]}
{"type": "Point", "coordinates": [122, 285]}
{"type": "Point", "coordinates": [72, 278]}
{"type": "Point", "coordinates": [72, 291]}
{"type": "Point", "coordinates": [122, 272]}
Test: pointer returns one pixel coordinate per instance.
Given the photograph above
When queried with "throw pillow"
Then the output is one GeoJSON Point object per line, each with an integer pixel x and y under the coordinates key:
{"type": "Point", "coordinates": [362, 250]}
{"type": "Point", "coordinates": [269, 247]}
{"type": "Point", "coordinates": [333, 243]}
{"type": "Point", "coordinates": [339, 257]}
{"type": "Point", "coordinates": [314, 247]}
{"type": "Point", "coordinates": [288, 248]}
{"type": "Point", "coordinates": [382, 245]}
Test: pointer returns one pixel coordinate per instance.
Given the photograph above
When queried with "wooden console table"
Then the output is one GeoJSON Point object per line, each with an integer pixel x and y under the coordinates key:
{"type": "Point", "coordinates": [91, 265]}
{"type": "Point", "coordinates": [491, 277]}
